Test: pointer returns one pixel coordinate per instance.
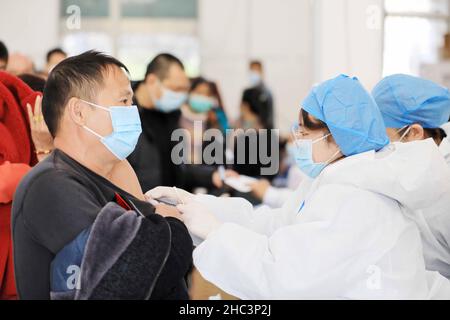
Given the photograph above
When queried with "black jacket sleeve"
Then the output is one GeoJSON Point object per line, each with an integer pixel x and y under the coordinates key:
{"type": "Point", "coordinates": [171, 284]}
{"type": "Point", "coordinates": [195, 175]}
{"type": "Point", "coordinates": [49, 210]}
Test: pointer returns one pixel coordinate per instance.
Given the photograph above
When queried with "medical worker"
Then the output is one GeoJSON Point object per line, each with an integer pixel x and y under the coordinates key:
{"type": "Point", "coordinates": [349, 236]}
{"type": "Point", "coordinates": [416, 109]}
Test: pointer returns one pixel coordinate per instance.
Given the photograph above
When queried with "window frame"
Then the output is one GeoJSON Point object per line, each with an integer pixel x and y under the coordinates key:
{"type": "Point", "coordinates": [410, 14]}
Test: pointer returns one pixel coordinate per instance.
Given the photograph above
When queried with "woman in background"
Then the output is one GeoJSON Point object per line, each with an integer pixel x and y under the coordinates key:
{"type": "Point", "coordinates": [202, 111]}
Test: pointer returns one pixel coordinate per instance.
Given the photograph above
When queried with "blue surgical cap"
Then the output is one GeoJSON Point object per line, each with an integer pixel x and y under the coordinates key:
{"type": "Point", "coordinates": [404, 100]}
{"type": "Point", "coordinates": [350, 113]}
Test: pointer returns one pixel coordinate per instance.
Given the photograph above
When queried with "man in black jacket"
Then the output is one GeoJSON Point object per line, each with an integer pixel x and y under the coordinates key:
{"type": "Point", "coordinates": [263, 100]}
{"type": "Point", "coordinates": [87, 106]}
{"type": "Point", "coordinates": [159, 97]}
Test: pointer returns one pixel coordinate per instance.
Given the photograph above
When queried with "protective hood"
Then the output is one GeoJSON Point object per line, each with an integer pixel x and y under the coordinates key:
{"type": "Point", "coordinates": [415, 174]}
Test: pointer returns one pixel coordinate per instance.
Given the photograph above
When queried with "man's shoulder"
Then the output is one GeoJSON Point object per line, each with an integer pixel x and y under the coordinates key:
{"type": "Point", "coordinates": [46, 178]}
{"type": "Point", "coordinates": [45, 170]}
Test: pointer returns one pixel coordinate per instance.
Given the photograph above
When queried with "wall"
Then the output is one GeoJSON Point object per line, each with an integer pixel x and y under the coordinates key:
{"type": "Point", "coordinates": [348, 38]}
{"type": "Point", "coordinates": [30, 27]}
{"type": "Point", "coordinates": [301, 42]}
{"type": "Point", "coordinates": [278, 32]}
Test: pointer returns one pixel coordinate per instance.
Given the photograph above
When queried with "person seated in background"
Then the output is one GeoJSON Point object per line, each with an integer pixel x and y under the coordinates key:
{"type": "Point", "coordinates": [159, 98]}
{"type": "Point", "coordinates": [200, 108]}
{"type": "Point", "coordinates": [251, 117]}
{"type": "Point", "coordinates": [19, 63]}
{"type": "Point", "coordinates": [4, 55]}
{"type": "Point", "coordinates": [217, 117]}
{"type": "Point", "coordinates": [87, 106]}
{"type": "Point", "coordinates": [415, 109]}
{"type": "Point", "coordinates": [19, 151]}
{"type": "Point", "coordinates": [54, 56]}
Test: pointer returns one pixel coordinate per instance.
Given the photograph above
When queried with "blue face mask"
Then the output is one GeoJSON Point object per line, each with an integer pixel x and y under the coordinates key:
{"type": "Point", "coordinates": [170, 100]}
{"type": "Point", "coordinates": [254, 79]}
{"type": "Point", "coordinates": [201, 104]}
{"type": "Point", "coordinates": [291, 152]}
{"type": "Point", "coordinates": [304, 157]}
{"type": "Point", "coordinates": [127, 128]}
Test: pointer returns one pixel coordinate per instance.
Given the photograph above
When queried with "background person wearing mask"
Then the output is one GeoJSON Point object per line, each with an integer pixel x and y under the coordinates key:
{"type": "Point", "coordinates": [264, 101]}
{"type": "Point", "coordinates": [350, 236]}
{"type": "Point", "coordinates": [159, 98]}
{"type": "Point", "coordinates": [414, 109]}
{"type": "Point", "coordinates": [200, 103]}
{"type": "Point", "coordinates": [87, 106]}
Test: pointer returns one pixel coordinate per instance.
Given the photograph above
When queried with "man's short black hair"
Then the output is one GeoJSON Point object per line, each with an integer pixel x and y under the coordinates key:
{"type": "Point", "coordinates": [53, 51]}
{"type": "Point", "coordinates": [78, 76]}
{"type": "Point", "coordinates": [160, 65]}
{"type": "Point", "coordinates": [3, 52]}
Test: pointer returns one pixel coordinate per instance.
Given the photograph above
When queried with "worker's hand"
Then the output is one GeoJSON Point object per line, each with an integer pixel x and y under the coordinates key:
{"type": "Point", "coordinates": [42, 139]}
{"type": "Point", "coordinates": [174, 194]}
{"type": "Point", "coordinates": [198, 219]}
{"type": "Point", "coordinates": [168, 211]}
{"type": "Point", "coordinates": [259, 188]}
{"type": "Point", "coordinates": [217, 179]}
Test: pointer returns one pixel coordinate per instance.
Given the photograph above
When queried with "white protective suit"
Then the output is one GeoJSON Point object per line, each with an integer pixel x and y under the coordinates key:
{"type": "Point", "coordinates": [346, 236]}
{"type": "Point", "coordinates": [276, 197]}
{"type": "Point", "coordinates": [444, 147]}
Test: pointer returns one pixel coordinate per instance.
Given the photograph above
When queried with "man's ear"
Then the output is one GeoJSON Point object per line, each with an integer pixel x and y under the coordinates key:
{"type": "Point", "coordinates": [77, 111]}
{"type": "Point", "coordinates": [416, 133]}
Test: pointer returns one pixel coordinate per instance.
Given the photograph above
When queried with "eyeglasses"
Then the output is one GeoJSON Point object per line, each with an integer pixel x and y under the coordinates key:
{"type": "Point", "coordinates": [297, 131]}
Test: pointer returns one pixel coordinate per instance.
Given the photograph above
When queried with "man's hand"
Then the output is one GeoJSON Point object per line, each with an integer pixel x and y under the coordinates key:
{"type": "Point", "coordinates": [42, 139]}
{"type": "Point", "coordinates": [168, 211]}
{"type": "Point", "coordinates": [259, 188]}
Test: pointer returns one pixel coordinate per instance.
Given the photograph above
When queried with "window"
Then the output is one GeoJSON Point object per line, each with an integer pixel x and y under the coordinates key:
{"type": "Point", "coordinates": [134, 31]}
{"type": "Point", "coordinates": [89, 8]}
{"type": "Point", "coordinates": [154, 8]}
{"type": "Point", "coordinates": [413, 34]}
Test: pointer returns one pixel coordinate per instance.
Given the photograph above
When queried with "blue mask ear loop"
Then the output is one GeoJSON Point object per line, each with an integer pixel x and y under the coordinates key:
{"type": "Point", "coordinates": [404, 134]}
{"type": "Point", "coordinates": [97, 106]}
